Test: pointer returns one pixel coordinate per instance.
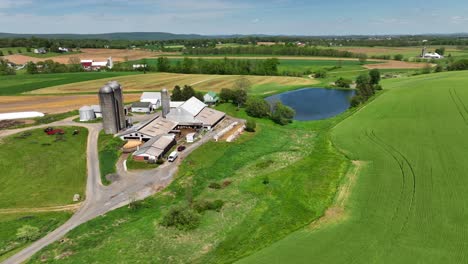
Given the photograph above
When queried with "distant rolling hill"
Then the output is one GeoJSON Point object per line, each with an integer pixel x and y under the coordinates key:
{"type": "Point", "coordinates": [118, 36]}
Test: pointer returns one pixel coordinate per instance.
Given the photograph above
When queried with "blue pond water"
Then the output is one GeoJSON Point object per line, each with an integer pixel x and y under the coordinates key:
{"type": "Point", "coordinates": [315, 103]}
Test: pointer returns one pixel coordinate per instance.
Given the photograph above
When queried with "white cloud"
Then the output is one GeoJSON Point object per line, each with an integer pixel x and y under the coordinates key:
{"type": "Point", "coordinates": [459, 19]}
{"type": "Point", "coordinates": [256, 20]}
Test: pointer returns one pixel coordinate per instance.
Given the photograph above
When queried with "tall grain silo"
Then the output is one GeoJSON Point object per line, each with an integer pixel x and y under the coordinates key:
{"type": "Point", "coordinates": [119, 103]}
{"type": "Point", "coordinates": [165, 102]}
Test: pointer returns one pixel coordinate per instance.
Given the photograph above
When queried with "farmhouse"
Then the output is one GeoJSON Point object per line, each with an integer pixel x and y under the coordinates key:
{"type": "Point", "coordinates": [210, 98]}
{"type": "Point", "coordinates": [142, 107]}
{"type": "Point", "coordinates": [40, 51]}
{"type": "Point", "coordinates": [155, 148]}
{"type": "Point", "coordinates": [153, 97]}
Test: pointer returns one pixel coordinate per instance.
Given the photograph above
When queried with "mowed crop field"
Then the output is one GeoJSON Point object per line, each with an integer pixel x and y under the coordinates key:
{"type": "Point", "coordinates": [409, 203]}
{"type": "Point", "coordinates": [158, 81]}
{"type": "Point", "coordinates": [17, 84]}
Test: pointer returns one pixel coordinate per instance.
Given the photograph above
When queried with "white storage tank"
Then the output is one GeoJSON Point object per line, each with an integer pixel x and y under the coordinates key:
{"type": "Point", "coordinates": [86, 113]}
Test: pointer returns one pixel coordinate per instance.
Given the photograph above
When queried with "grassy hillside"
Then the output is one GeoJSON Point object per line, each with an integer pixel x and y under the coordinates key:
{"type": "Point", "coordinates": [409, 204]}
{"type": "Point", "coordinates": [271, 182]}
{"type": "Point", "coordinates": [16, 84]}
{"type": "Point", "coordinates": [158, 81]}
{"type": "Point", "coordinates": [40, 170]}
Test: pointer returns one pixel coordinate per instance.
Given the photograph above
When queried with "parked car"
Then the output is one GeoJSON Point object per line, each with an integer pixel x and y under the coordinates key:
{"type": "Point", "coordinates": [173, 156]}
{"type": "Point", "coordinates": [181, 148]}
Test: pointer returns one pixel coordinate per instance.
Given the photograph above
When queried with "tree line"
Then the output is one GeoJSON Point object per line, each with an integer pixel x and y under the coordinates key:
{"type": "Point", "coordinates": [268, 67]}
{"type": "Point", "coordinates": [273, 51]}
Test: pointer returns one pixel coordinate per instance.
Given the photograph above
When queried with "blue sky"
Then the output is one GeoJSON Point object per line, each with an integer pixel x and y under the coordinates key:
{"type": "Point", "coordinates": [235, 17]}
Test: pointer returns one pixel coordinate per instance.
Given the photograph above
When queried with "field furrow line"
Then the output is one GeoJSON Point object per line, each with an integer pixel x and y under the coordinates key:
{"type": "Point", "coordinates": [452, 96]}
{"type": "Point", "coordinates": [413, 174]}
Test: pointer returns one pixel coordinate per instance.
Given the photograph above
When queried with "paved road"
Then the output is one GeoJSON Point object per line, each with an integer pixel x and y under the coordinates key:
{"type": "Point", "coordinates": [101, 199]}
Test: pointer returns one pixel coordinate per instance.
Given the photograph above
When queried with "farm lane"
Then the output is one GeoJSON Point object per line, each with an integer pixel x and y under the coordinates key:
{"type": "Point", "coordinates": [102, 199]}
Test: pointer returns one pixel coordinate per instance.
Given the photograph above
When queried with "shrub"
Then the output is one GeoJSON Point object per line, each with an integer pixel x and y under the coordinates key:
{"type": "Point", "coordinates": [203, 205]}
{"type": "Point", "coordinates": [438, 68]}
{"type": "Point", "coordinates": [251, 125]}
{"type": "Point", "coordinates": [282, 114]}
{"type": "Point", "coordinates": [182, 218]}
{"type": "Point", "coordinates": [343, 83]}
{"type": "Point", "coordinates": [355, 100]}
{"type": "Point", "coordinates": [160, 161]}
{"type": "Point", "coordinates": [398, 57]}
{"type": "Point", "coordinates": [266, 180]}
{"type": "Point", "coordinates": [257, 107]}
{"type": "Point", "coordinates": [320, 74]}
{"type": "Point", "coordinates": [28, 233]}
{"type": "Point", "coordinates": [214, 185]}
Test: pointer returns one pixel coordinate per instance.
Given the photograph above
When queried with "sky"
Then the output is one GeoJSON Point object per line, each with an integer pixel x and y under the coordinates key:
{"type": "Point", "coordinates": [223, 17]}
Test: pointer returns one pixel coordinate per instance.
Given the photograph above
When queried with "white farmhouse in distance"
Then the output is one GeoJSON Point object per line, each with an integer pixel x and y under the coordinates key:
{"type": "Point", "coordinates": [432, 55]}
{"type": "Point", "coordinates": [152, 97]}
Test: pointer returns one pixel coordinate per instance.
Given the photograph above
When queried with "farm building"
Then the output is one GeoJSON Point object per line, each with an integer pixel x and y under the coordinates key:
{"type": "Point", "coordinates": [155, 148]}
{"type": "Point", "coordinates": [432, 55]}
{"type": "Point", "coordinates": [150, 129]}
{"type": "Point", "coordinates": [40, 51]}
{"type": "Point", "coordinates": [63, 50]}
{"type": "Point", "coordinates": [97, 65]}
{"type": "Point", "coordinates": [87, 113]}
{"type": "Point", "coordinates": [142, 107]}
{"type": "Point", "coordinates": [97, 110]}
{"type": "Point", "coordinates": [195, 114]}
{"type": "Point", "coordinates": [175, 104]}
{"type": "Point", "coordinates": [153, 97]}
{"type": "Point", "coordinates": [210, 98]}
{"type": "Point", "coordinates": [139, 66]}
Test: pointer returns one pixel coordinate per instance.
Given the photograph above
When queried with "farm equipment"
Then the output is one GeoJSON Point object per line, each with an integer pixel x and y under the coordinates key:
{"type": "Point", "coordinates": [55, 132]}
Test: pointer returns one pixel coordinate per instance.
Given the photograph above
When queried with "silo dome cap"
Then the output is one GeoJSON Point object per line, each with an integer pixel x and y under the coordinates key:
{"type": "Point", "coordinates": [164, 90]}
{"type": "Point", "coordinates": [114, 85]}
{"type": "Point", "coordinates": [105, 89]}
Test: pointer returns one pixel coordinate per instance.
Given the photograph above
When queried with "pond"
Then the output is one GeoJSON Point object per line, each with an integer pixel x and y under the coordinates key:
{"type": "Point", "coordinates": [315, 103]}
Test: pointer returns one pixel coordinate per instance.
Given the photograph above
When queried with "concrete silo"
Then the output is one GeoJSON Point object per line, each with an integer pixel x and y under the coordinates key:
{"type": "Point", "coordinates": [111, 101]}
{"type": "Point", "coordinates": [87, 113]}
{"type": "Point", "coordinates": [165, 102]}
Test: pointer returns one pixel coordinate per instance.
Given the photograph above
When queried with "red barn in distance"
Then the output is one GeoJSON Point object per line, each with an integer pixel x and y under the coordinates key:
{"type": "Point", "coordinates": [96, 65]}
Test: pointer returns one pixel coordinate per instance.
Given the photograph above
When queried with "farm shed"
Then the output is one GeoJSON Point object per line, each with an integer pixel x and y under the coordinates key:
{"type": "Point", "coordinates": [153, 97]}
{"type": "Point", "coordinates": [150, 129]}
{"type": "Point", "coordinates": [155, 148]}
{"type": "Point", "coordinates": [97, 110]}
{"type": "Point", "coordinates": [142, 107]}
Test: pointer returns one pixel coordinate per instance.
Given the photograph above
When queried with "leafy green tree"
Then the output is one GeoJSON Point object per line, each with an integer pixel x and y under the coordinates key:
{"type": "Point", "coordinates": [187, 65]}
{"type": "Point", "coordinates": [164, 65]}
{"type": "Point", "coordinates": [364, 86]}
{"type": "Point", "coordinates": [398, 57]}
{"type": "Point", "coordinates": [5, 69]}
{"type": "Point", "coordinates": [187, 92]}
{"type": "Point", "coordinates": [320, 74]}
{"type": "Point", "coordinates": [226, 95]}
{"type": "Point", "coordinates": [362, 58]}
{"type": "Point", "coordinates": [31, 68]}
{"type": "Point", "coordinates": [177, 94]}
{"type": "Point", "coordinates": [282, 114]}
{"type": "Point", "coordinates": [343, 83]}
{"type": "Point", "coordinates": [374, 75]}
{"type": "Point", "coordinates": [355, 101]}
{"type": "Point", "coordinates": [250, 125]}
{"type": "Point", "coordinates": [257, 107]}
{"type": "Point", "coordinates": [440, 51]}
{"type": "Point", "coordinates": [1, 53]}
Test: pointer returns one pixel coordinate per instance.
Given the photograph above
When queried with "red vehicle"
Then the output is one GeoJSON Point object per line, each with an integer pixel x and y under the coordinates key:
{"type": "Point", "coordinates": [55, 132]}
{"type": "Point", "coordinates": [181, 148]}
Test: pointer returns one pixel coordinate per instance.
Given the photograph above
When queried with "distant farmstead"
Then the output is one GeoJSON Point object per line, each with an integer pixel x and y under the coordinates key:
{"type": "Point", "coordinates": [97, 65]}
{"type": "Point", "coordinates": [210, 98]}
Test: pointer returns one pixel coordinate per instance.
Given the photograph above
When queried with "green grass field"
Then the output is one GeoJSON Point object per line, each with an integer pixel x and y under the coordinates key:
{"type": "Point", "coordinates": [109, 152]}
{"type": "Point", "coordinates": [10, 223]}
{"type": "Point", "coordinates": [40, 170]}
{"type": "Point", "coordinates": [17, 84]}
{"type": "Point", "coordinates": [409, 201]}
{"type": "Point", "coordinates": [302, 171]}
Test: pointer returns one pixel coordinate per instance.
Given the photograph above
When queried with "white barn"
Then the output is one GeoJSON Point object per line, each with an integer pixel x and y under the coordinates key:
{"type": "Point", "coordinates": [152, 97]}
